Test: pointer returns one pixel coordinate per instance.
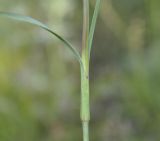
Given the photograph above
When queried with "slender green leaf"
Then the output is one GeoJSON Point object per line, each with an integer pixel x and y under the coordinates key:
{"type": "Point", "coordinates": [38, 23]}
{"type": "Point", "coordinates": [93, 25]}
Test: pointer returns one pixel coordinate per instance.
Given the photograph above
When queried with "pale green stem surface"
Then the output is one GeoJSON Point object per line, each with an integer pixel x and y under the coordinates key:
{"type": "Point", "coordinates": [85, 114]}
{"type": "Point", "coordinates": [85, 111]}
{"type": "Point", "coordinates": [85, 131]}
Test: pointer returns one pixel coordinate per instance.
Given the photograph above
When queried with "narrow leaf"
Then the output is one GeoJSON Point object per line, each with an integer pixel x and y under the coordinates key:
{"type": "Point", "coordinates": [93, 25]}
{"type": "Point", "coordinates": [38, 23]}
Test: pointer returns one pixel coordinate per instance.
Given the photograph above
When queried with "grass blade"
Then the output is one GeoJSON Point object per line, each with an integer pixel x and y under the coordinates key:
{"type": "Point", "coordinates": [93, 25]}
{"type": "Point", "coordinates": [38, 23]}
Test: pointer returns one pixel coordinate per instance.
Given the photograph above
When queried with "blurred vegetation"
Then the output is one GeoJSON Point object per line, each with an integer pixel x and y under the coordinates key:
{"type": "Point", "coordinates": [39, 79]}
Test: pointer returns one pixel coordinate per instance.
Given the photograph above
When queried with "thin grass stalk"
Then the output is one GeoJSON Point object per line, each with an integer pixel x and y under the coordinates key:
{"type": "Point", "coordinates": [85, 111]}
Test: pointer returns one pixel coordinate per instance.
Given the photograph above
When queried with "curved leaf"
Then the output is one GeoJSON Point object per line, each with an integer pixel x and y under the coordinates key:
{"type": "Point", "coordinates": [93, 25]}
{"type": "Point", "coordinates": [38, 23]}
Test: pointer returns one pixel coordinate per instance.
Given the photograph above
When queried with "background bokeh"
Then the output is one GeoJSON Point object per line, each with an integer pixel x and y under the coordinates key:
{"type": "Point", "coordinates": [40, 80]}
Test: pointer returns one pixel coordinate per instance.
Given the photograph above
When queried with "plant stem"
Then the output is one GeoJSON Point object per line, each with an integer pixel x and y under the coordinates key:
{"type": "Point", "coordinates": [85, 131]}
{"type": "Point", "coordinates": [85, 26]}
{"type": "Point", "coordinates": [85, 111]}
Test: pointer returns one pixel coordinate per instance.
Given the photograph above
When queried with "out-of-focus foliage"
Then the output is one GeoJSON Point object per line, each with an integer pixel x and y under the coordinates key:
{"type": "Point", "coordinates": [39, 79]}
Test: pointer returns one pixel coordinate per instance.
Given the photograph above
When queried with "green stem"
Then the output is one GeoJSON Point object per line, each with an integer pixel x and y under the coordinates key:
{"type": "Point", "coordinates": [85, 35]}
{"type": "Point", "coordinates": [85, 114]}
{"type": "Point", "coordinates": [85, 131]}
{"type": "Point", "coordinates": [85, 111]}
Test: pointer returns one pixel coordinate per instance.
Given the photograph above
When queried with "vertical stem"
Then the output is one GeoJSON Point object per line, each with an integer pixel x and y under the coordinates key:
{"type": "Point", "coordinates": [85, 115]}
{"type": "Point", "coordinates": [85, 25]}
{"type": "Point", "coordinates": [85, 131]}
{"type": "Point", "coordinates": [85, 111]}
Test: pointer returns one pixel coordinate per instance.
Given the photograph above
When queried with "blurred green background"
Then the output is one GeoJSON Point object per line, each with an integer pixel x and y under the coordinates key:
{"type": "Point", "coordinates": [40, 81]}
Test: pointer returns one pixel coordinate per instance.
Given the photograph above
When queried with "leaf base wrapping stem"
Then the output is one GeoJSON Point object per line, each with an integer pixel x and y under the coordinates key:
{"type": "Point", "coordinates": [85, 108]}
